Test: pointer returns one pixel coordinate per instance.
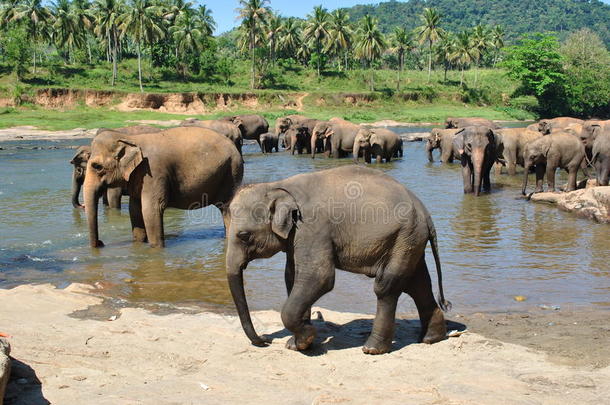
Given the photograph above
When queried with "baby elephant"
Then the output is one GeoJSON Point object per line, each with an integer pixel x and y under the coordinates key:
{"type": "Point", "coordinates": [352, 218]}
{"type": "Point", "coordinates": [268, 142]}
{"type": "Point", "coordinates": [378, 142]}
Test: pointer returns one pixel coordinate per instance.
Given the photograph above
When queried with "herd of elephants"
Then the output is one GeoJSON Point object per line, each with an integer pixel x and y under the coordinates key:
{"type": "Point", "coordinates": [200, 163]}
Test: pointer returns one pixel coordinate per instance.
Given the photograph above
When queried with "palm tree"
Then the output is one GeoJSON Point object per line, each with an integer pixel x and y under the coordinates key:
{"type": "Point", "coordinates": [402, 41]}
{"type": "Point", "coordinates": [8, 11]}
{"type": "Point", "coordinates": [290, 39]}
{"type": "Point", "coordinates": [84, 19]}
{"type": "Point", "coordinates": [463, 52]}
{"type": "Point", "coordinates": [140, 22]}
{"type": "Point", "coordinates": [188, 35]}
{"type": "Point", "coordinates": [481, 42]}
{"type": "Point", "coordinates": [497, 39]}
{"type": "Point", "coordinates": [107, 13]}
{"type": "Point", "coordinates": [253, 14]}
{"type": "Point", "coordinates": [370, 42]}
{"type": "Point", "coordinates": [316, 31]}
{"type": "Point", "coordinates": [430, 32]}
{"type": "Point", "coordinates": [36, 18]}
{"type": "Point", "coordinates": [341, 34]}
{"type": "Point", "coordinates": [206, 20]}
{"type": "Point", "coordinates": [274, 31]}
{"type": "Point", "coordinates": [444, 51]}
{"type": "Point", "coordinates": [66, 27]}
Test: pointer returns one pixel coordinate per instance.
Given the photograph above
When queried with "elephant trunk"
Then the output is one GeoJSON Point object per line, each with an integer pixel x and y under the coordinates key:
{"type": "Point", "coordinates": [604, 172]}
{"type": "Point", "coordinates": [526, 171]}
{"type": "Point", "coordinates": [478, 159]}
{"type": "Point", "coordinates": [236, 264]}
{"type": "Point", "coordinates": [356, 151]}
{"type": "Point", "coordinates": [77, 182]}
{"type": "Point", "coordinates": [92, 195]}
{"type": "Point", "coordinates": [429, 149]}
{"type": "Point", "coordinates": [314, 140]}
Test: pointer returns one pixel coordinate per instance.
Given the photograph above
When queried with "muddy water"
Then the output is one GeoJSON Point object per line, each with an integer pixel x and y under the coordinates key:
{"type": "Point", "coordinates": [492, 247]}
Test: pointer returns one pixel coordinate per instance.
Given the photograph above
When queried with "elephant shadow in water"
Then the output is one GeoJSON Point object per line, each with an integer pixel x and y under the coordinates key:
{"type": "Point", "coordinates": [332, 336]}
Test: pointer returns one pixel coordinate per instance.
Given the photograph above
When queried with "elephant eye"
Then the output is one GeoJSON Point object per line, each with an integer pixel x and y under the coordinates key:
{"type": "Point", "coordinates": [244, 236]}
{"type": "Point", "coordinates": [97, 167]}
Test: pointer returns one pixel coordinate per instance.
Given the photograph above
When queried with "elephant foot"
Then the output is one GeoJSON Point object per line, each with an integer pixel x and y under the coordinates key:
{"type": "Point", "coordinates": [139, 235]}
{"type": "Point", "coordinates": [376, 345]}
{"type": "Point", "coordinates": [98, 244]}
{"type": "Point", "coordinates": [303, 341]}
{"type": "Point", "coordinates": [437, 330]}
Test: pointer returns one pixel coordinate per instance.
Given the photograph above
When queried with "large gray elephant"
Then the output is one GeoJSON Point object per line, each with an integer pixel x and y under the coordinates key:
{"type": "Point", "coordinates": [250, 125]}
{"type": "Point", "coordinates": [601, 157]}
{"type": "Point", "coordinates": [476, 146]}
{"type": "Point", "coordinates": [302, 215]}
{"type": "Point", "coordinates": [185, 168]}
{"type": "Point", "coordinates": [226, 128]}
{"type": "Point", "coordinates": [513, 142]}
{"type": "Point", "coordinates": [590, 130]}
{"type": "Point", "coordinates": [442, 139]}
{"type": "Point", "coordinates": [269, 141]}
{"type": "Point", "coordinates": [546, 154]}
{"type": "Point", "coordinates": [547, 126]}
{"type": "Point", "coordinates": [380, 143]}
{"type": "Point", "coordinates": [111, 195]}
{"type": "Point", "coordinates": [469, 122]}
{"type": "Point", "coordinates": [337, 135]}
{"type": "Point", "coordinates": [298, 136]}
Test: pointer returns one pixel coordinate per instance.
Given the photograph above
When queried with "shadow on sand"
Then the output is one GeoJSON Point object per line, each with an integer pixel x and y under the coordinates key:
{"type": "Point", "coordinates": [24, 387]}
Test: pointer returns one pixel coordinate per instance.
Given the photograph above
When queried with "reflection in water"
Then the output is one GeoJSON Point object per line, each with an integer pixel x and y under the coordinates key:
{"type": "Point", "coordinates": [492, 247]}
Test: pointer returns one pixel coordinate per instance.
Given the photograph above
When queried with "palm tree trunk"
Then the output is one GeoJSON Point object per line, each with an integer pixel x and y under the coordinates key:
{"type": "Point", "coordinates": [462, 76]}
{"type": "Point", "coordinates": [400, 63]}
{"type": "Point", "coordinates": [429, 61]}
{"type": "Point", "coordinates": [139, 67]}
{"type": "Point", "coordinates": [34, 52]}
{"type": "Point", "coordinates": [476, 73]}
{"type": "Point", "coordinates": [252, 78]}
{"type": "Point", "coordinates": [114, 56]}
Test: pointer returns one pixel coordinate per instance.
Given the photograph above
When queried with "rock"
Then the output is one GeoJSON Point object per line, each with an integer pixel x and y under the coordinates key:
{"type": "Point", "coordinates": [592, 203]}
{"type": "Point", "coordinates": [5, 366]}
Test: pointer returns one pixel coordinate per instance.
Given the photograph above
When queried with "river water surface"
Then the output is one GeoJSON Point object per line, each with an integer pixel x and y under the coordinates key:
{"type": "Point", "coordinates": [492, 247]}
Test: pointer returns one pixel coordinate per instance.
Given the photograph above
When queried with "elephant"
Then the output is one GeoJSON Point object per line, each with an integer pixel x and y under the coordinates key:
{"type": "Point", "coordinates": [226, 128]}
{"type": "Point", "coordinates": [269, 141]}
{"type": "Point", "coordinates": [283, 124]}
{"type": "Point", "coordinates": [337, 136]}
{"type": "Point", "coordinates": [549, 152]}
{"type": "Point", "coordinates": [601, 157]}
{"type": "Point", "coordinates": [469, 122]}
{"type": "Point", "coordinates": [443, 140]}
{"type": "Point", "coordinates": [513, 142]}
{"type": "Point", "coordinates": [252, 126]}
{"type": "Point", "coordinates": [590, 130]}
{"type": "Point", "coordinates": [184, 167]}
{"type": "Point", "coordinates": [111, 196]}
{"type": "Point", "coordinates": [298, 137]}
{"type": "Point", "coordinates": [476, 147]}
{"type": "Point", "coordinates": [378, 142]}
{"type": "Point", "coordinates": [546, 126]}
{"type": "Point", "coordinates": [301, 216]}
{"type": "Point", "coordinates": [533, 127]}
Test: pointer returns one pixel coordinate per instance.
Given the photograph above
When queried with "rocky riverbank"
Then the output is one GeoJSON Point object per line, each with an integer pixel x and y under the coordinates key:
{"type": "Point", "coordinates": [592, 203]}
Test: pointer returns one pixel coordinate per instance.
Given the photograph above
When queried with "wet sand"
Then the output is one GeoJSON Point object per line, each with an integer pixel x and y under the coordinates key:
{"type": "Point", "coordinates": [66, 351]}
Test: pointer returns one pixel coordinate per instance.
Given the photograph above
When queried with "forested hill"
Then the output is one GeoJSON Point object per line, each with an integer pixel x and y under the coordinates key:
{"type": "Point", "coordinates": [516, 16]}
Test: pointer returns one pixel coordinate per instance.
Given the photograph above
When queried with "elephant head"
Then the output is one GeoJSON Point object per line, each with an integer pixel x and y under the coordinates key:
{"type": "Point", "coordinates": [434, 141]}
{"type": "Point", "coordinates": [79, 161]}
{"type": "Point", "coordinates": [262, 221]}
{"type": "Point", "coordinates": [477, 145]}
{"type": "Point", "coordinates": [113, 160]}
{"type": "Point", "coordinates": [535, 153]}
{"type": "Point", "coordinates": [451, 123]}
{"type": "Point", "coordinates": [363, 142]}
{"type": "Point", "coordinates": [239, 123]}
{"type": "Point", "coordinates": [322, 131]}
{"type": "Point", "coordinates": [545, 127]}
{"type": "Point", "coordinates": [589, 132]}
{"type": "Point", "coordinates": [282, 124]}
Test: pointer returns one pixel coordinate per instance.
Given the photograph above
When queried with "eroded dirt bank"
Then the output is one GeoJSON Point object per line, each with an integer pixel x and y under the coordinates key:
{"type": "Point", "coordinates": [64, 355]}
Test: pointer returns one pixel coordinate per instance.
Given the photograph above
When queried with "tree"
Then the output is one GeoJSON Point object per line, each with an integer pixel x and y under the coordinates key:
{"type": "Point", "coordinates": [463, 52]}
{"type": "Point", "coordinates": [316, 31]}
{"type": "Point", "coordinates": [274, 32]}
{"type": "Point", "coordinates": [370, 42]}
{"type": "Point", "coordinates": [107, 14]}
{"type": "Point", "coordinates": [340, 35]}
{"type": "Point", "coordinates": [206, 20]}
{"type": "Point", "coordinates": [497, 40]}
{"type": "Point", "coordinates": [481, 42]}
{"type": "Point", "coordinates": [430, 32]}
{"type": "Point", "coordinates": [253, 14]}
{"type": "Point", "coordinates": [445, 51]}
{"type": "Point", "coordinates": [36, 18]}
{"type": "Point", "coordinates": [402, 41]}
{"type": "Point", "coordinates": [290, 39]}
{"type": "Point", "coordinates": [188, 36]}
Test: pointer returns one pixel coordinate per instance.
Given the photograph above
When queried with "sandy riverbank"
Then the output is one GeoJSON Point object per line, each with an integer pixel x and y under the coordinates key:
{"type": "Point", "coordinates": [66, 351]}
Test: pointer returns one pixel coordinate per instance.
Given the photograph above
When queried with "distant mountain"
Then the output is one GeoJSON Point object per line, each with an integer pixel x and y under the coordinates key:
{"type": "Point", "coordinates": [516, 16]}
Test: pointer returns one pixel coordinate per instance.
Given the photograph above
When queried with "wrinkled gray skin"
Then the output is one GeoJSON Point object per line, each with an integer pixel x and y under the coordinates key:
{"type": "Point", "coordinates": [601, 157]}
{"type": "Point", "coordinates": [380, 143]}
{"type": "Point", "coordinates": [590, 130]}
{"type": "Point", "coordinates": [303, 128]}
{"type": "Point", "coordinates": [442, 139]}
{"type": "Point", "coordinates": [301, 216]}
{"type": "Point", "coordinates": [477, 149]}
{"type": "Point", "coordinates": [184, 168]}
{"type": "Point", "coordinates": [546, 154]}
{"type": "Point", "coordinates": [112, 195]}
{"type": "Point", "coordinates": [337, 136]}
{"type": "Point", "coordinates": [230, 129]}
{"type": "Point", "coordinates": [469, 122]}
{"type": "Point", "coordinates": [269, 141]}
{"type": "Point", "coordinates": [298, 137]}
{"type": "Point", "coordinates": [533, 127]}
{"type": "Point", "coordinates": [547, 126]}
{"type": "Point", "coordinates": [513, 142]}
{"type": "Point", "coordinates": [252, 126]}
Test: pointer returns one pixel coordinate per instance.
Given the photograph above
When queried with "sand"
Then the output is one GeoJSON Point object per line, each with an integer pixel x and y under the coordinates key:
{"type": "Point", "coordinates": [67, 351]}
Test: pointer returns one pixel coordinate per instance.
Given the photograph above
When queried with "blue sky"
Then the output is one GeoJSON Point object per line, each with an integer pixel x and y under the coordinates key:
{"type": "Point", "coordinates": [224, 10]}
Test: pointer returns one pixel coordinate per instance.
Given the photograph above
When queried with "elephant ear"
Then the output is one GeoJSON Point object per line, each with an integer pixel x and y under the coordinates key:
{"type": "Point", "coordinates": [329, 132]}
{"type": "Point", "coordinates": [80, 157]}
{"type": "Point", "coordinates": [284, 212]}
{"type": "Point", "coordinates": [458, 141]}
{"type": "Point", "coordinates": [129, 156]}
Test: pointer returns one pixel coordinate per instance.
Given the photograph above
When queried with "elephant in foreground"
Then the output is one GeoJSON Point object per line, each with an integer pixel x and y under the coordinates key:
{"type": "Point", "coordinates": [476, 147]}
{"type": "Point", "coordinates": [513, 142]}
{"type": "Point", "coordinates": [547, 126]}
{"type": "Point", "coordinates": [469, 122]}
{"type": "Point", "coordinates": [601, 157]}
{"type": "Point", "coordinates": [442, 139]}
{"type": "Point", "coordinates": [251, 125]}
{"type": "Point", "coordinates": [380, 143]}
{"type": "Point", "coordinates": [546, 154]}
{"type": "Point", "coordinates": [301, 216]}
{"type": "Point", "coordinates": [337, 135]}
{"type": "Point", "coordinates": [111, 195]}
{"type": "Point", "coordinates": [269, 141]}
{"type": "Point", "coordinates": [185, 168]}
{"type": "Point", "coordinates": [226, 128]}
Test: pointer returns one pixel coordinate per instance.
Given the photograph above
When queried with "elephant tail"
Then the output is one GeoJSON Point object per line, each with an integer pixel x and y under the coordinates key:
{"type": "Point", "coordinates": [442, 302]}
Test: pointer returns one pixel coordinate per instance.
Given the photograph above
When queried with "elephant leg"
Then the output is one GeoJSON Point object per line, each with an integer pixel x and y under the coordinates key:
{"type": "Point", "coordinates": [572, 172]}
{"type": "Point", "coordinates": [114, 197]}
{"type": "Point", "coordinates": [550, 176]}
{"type": "Point", "coordinates": [137, 220]}
{"type": "Point", "coordinates": [380, 339]}
{"type": "Point", "coordinates": [367, 156]}
{"type": "Point", "coordinates": [540, 170]}
{"type": "Point", "coordinates": [498, 168]}
{"type": "Point", "coordinates": [153, 220]}
{"type": "Point", "coordinates": [388, 158]}
{"type": "Point", "coordinates": [486, 178]}
{"type": "Point", "coordinates": [379, 158]}
{"type": "Point", "coordinates": [289, 279]}
{"type": "Point", "coordinates": [512, 162]}
{"type": "Point", "coordinates": [419, 287]}
{"type": "Point", "coordinates": [260, 145]}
